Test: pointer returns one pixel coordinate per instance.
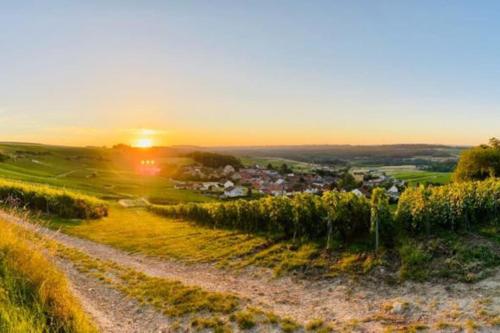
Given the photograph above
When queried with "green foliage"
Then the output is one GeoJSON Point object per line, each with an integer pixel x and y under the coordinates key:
{"type": "Point", "coordinates": [382, 225]}
{"type": "Point", "coordinates": [58, 202]}
{"type": "Point", "coordinates": [348, 182]}
{"type": "Point", "coordinates": [3, 157]}
{"type": "Point", "coordinates": [285, 169]}
{"type": "Point", "coordinates": [479, 163]}
{"type": "Point", "coordinates": [448, 256]}
{"type": "Point", "coordinates": [304, 216]}
{"type": "Point", "coordinates": [214, 160]}
{"type": "Point", "coordinates": [451, 207]}
{"type": "Point", "coordinates": [414, 261]}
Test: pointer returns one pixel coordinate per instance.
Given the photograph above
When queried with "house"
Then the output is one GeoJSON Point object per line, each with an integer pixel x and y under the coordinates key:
{"type": "Point", "coordinates": [212, 187]}
{"type": "Point", "coordinates": [357, 193]}
{"type": "Point", "coordinates": [236, 177]}
{"type": "Point", "coordinates": [228, 170]}
{"type": "Point", "coordinates": [393, 193]}
{"type": "Point", "coordinates": [235, 192]}
{"type": "Point", "coordinates": [393, 190]}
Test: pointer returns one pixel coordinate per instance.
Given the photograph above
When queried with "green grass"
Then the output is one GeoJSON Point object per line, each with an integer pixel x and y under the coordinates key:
{"type": "Point", "coordinates": [34, 295]}
{"type": "Point", "coordinates": [139, 231]}
{"type": "Point", "coordinates": [466, 258]}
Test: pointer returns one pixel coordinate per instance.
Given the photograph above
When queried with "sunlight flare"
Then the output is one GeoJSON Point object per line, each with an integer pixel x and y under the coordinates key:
{"type": "Point", "coordinates": [144, 143]}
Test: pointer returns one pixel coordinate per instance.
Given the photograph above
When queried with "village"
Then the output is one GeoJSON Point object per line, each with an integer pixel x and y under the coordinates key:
{"type": "Point", "coordinates": [255, 181]}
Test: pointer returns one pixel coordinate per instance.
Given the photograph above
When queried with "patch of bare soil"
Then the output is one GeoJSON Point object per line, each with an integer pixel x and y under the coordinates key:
{"type": "Point", "coordinates": [367, 307]}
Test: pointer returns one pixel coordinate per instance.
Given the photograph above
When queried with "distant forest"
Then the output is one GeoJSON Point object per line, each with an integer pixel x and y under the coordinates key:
{"type": "Point", "coordinates": [442, 157]}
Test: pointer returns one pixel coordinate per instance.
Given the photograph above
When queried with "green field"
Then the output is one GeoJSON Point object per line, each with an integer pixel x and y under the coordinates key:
{"type": "Point", "coordinates": [105, 173]}
{"type": "Point", "coordinates": [277, 162]}
{"type": "Point", "coordinates": [411, 175]}
{"type": "Point", "coordinates": [423, 177]}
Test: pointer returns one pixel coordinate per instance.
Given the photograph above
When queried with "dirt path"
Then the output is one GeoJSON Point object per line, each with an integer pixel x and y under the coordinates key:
{"type": "Point", "coordinates": [110, 309]}
{"type": "Point", "coordinates": [331, 300]}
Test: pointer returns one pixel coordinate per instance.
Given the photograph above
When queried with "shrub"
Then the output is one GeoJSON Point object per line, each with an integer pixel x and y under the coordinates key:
{"type": "Point", "coordinates": [49, 200]}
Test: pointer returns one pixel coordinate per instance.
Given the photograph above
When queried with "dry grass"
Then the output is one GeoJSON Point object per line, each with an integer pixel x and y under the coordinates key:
{"type": "Point", "coordinates": [34, 295]}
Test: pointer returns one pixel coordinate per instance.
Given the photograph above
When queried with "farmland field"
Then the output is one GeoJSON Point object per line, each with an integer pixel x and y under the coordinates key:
{"type": "Point", "coordinates": [412, 176]}
{"type": "Point", "coordinates": [423, 177]}
{"type": "Point", "coordinates": [297, 166]}
{"type": "Point", "coordinates": [104, 173]}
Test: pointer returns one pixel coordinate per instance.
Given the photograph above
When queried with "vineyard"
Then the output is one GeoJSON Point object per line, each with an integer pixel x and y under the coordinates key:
{"type": "Point", "coordinates": [343, 214]}
{"type": "Point", "coordinates": [451, 207]}
{"type": "Point", "coordinates": [49, 200]}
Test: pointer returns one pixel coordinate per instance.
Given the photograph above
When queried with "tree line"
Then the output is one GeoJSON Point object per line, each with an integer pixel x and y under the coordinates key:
{"type": "Point", "coordinates": [214, 160]}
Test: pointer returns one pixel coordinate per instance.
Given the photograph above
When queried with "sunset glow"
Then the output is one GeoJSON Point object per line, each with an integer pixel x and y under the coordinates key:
{"type": "Point", "coordinates": [306, 74]}
{"type": "Point", "coordinates": [144, 143]}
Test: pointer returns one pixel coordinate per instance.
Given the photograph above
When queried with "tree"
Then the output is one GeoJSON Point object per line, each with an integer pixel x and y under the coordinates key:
{"type": "Point", "coordinates": [285, 169]}
{"type": "Point", "coordinates": [494, 143]}
{"type": "Point", "coordinates": [214, 160]}
{"type": "Point", "coordinates": [347, 182]}
{"type": "Point", "coordinates": [479, 163]}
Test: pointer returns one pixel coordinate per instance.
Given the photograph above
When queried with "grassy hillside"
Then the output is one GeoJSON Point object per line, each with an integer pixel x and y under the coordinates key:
{"type": "Point", "coordinates": [34, 295]}
{"type": "Point", "coordinates": [105, 173]}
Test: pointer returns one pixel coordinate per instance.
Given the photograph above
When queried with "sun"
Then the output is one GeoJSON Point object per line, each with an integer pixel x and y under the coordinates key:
{"type": "Point", "coordinates": [144, 143]}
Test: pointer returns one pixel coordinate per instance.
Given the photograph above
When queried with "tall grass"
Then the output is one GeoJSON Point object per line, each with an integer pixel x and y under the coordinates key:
{"type": "Point", "coordinates": [63, 203]}
{"type": "Point", "coordinates": [34, 295]}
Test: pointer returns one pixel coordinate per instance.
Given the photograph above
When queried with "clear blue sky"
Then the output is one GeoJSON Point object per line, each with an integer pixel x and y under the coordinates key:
{"type": "Point", "coordinates": [250, 72]}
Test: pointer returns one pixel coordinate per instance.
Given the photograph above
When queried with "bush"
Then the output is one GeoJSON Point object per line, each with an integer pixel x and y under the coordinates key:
{"type": "Point", "coordinates": [3, 157]}
{"type": "Point", "coordinates": [61, 203]}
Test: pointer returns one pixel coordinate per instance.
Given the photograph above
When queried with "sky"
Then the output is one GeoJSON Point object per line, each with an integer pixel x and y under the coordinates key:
{"type": "Point", "coordinates": [249, 72]}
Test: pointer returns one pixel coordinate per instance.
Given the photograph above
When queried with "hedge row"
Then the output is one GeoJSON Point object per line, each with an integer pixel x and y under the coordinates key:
{"type": "Point", "coordinates": [454, 206]}
{"type": "Point", "coordinates": [303, 216]}
{"type": "Point", "coordinates": [58, 202]}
